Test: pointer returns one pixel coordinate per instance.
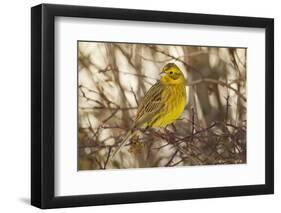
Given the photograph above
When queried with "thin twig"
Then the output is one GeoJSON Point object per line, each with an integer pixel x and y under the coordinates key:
{"type": "Point", "coordinates": [213, 81]}
{"type": "Point", "coordinates": [171, 159]}
{"type": "Point", "coordinates": [107, 158]}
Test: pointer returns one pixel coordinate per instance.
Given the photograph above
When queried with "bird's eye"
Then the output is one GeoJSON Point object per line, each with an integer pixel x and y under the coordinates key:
{"type": "Point", "coordinates": [171, 72]}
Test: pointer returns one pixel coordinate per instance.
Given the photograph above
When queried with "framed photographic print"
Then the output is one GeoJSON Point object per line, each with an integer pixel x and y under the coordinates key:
{"type": "Point", "coordinates": [139, 106]}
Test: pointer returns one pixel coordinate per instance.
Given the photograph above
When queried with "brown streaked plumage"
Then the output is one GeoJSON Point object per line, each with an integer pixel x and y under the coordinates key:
{"type": "Point", "coordinates": [162, 104]}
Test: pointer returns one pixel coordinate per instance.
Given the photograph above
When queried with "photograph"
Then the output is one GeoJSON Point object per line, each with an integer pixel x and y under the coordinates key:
{"type": "Point", "coordinates": [143, 105]}
{"type": "Point", "coordinates": [133, 105]}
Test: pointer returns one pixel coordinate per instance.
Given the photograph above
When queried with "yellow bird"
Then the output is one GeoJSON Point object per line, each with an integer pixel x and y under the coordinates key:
{"type": "Point", "coordinates": [162, 104]}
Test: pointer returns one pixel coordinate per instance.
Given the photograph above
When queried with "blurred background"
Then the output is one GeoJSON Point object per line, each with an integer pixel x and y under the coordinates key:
{"type": "Point", "coordinates": [113, 77]}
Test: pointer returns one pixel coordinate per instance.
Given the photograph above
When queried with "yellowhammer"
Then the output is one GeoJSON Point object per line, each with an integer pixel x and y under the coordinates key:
{"type": "Point", "coordinates": [162, 104]}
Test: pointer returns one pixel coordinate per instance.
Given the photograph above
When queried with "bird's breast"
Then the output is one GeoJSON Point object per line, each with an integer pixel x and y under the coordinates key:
{"type": "Point", "coordinates": [175, 100]}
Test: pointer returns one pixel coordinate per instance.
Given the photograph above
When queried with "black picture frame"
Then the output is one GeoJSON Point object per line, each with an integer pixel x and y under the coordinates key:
{"type": "Point", "coordinates": [43, 105]}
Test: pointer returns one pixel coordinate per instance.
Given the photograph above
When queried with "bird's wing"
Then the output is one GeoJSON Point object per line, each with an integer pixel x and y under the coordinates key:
{"type": "Point", "coordinates": [150, 105]}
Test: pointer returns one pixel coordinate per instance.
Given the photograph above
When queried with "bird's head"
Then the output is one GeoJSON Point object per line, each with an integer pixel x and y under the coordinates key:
{"type": "Point", "coordinates": [171, 74]}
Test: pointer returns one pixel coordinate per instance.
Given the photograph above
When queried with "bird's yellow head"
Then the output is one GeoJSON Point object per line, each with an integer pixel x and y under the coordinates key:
{"type": "Point", "coordinates": [171, 74]}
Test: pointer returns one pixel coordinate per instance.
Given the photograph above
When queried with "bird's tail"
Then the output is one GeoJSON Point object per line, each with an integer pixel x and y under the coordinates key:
{"type": "Point", "coordinates": [130, 134]}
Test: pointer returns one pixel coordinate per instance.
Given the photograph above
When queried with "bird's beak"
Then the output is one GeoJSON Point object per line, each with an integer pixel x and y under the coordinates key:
{"type": "Point", "coordinates": [162, 74]}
